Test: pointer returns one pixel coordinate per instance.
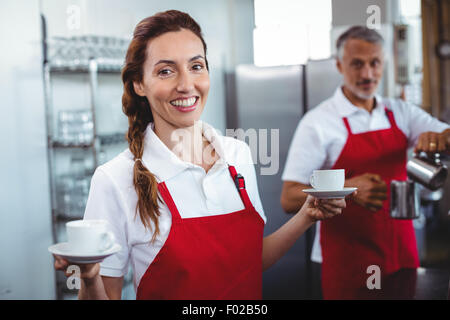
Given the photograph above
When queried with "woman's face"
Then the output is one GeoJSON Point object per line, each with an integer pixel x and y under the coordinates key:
{"type": "Point", "coordinates": [175, 81]}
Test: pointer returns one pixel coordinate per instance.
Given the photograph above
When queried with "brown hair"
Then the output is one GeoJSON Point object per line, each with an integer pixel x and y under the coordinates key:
{"type": "Point", "coordinates": [137, 108]}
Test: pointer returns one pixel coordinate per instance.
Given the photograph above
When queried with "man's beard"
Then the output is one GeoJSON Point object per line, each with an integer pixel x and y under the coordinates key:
{"type": "Point", "coordinates": [361, 95]}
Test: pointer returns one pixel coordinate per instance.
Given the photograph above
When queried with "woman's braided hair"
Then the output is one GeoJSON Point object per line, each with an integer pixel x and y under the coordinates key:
{"type": "Point", "coordinates": [137, 108]}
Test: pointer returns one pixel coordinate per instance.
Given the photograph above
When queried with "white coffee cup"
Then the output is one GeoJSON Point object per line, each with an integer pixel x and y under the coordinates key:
{"type": "Point", "coordinates": [330, 180]}
{"type": "Point", "coordinates": [89, 236]}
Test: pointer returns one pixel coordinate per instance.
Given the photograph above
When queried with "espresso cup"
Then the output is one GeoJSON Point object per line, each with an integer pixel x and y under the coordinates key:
{"type": "Point", "coordinates": [330, 180]}
{"type": "Point", "coordinates": [89, 236]}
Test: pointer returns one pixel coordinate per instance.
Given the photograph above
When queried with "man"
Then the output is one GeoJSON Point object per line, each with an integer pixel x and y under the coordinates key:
{"type": "Point", "coordinates": [368, 136]}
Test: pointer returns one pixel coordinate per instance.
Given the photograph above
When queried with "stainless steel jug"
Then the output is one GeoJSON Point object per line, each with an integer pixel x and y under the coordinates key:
{"type": "Point", "coordinates": [404, 203]}
{"type": "Point", "coordinates": [428, 171]}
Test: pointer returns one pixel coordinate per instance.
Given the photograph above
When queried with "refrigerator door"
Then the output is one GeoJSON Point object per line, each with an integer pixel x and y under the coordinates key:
{"type": "Point", "coordinates": [26, 269]}
{"type": "Point", "coordinates": [322, 79]}
{"type": "Point", "coordinates": [268, 101]}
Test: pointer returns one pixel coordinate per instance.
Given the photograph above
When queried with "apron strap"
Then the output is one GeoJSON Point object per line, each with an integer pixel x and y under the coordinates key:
{"type": "Point", "coordinates": [390, 116]}
{"type": "Point", "coordinates": [169, 201]}
{"type": "Point", "coordinates": [347, 125]}
{"type": "Point", "coordinates": [240, 186]}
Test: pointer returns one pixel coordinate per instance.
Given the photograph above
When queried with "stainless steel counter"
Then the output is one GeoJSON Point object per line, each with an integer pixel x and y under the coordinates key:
{"type": "Point", "coordinates": [432, 284]}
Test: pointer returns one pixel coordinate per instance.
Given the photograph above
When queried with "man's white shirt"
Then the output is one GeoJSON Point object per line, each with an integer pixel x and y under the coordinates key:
{"type": "Point", "coordinates": [321, 135]}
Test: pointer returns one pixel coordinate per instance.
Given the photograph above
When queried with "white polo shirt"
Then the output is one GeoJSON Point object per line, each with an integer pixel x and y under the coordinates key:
{"type": "Point", "coordinates": [321, 136]}
{"type": "Point", "coordinates": [196, 194]}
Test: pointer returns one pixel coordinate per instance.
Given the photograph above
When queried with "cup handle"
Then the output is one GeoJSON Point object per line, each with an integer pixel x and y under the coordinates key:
{"type": "Point", "coordinates": [107, 241]}
{"type": "Point", "coordinates": [311, 181]}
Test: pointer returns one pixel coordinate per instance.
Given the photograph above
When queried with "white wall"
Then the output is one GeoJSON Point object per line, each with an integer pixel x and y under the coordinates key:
{"type": "Point", "coordinates": [26, 270]}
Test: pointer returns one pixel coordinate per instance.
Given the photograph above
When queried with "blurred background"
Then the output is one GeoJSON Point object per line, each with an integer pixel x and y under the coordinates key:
{"type": "Point", "coordinates": [60, 98]}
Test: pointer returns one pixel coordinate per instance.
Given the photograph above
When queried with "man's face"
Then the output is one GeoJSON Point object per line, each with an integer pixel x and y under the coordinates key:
{"type": "Point", "coordinates": [361, 65]}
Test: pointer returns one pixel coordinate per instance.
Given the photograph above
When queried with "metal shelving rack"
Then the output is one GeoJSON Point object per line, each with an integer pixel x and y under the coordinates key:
{"type": "Point", "coordinates": [92, 68]}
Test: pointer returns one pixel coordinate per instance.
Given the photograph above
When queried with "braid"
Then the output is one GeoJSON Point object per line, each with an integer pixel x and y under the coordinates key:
{"type": "Point", "coordinates": [139, 116]}
{"type": "Point", "coordinates": [145, 183]}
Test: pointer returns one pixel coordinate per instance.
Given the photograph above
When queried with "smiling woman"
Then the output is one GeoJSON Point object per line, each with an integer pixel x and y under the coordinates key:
{"type": "Point", "coordinates": [200, 232]}
{"type": "Point", "coordinates": [159, 80]}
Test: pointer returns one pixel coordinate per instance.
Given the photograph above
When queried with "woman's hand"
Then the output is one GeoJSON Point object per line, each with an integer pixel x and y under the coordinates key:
{"type": "Point", "coordinates": [88, 271]}
{"type": "Point", "coordinates": [278, 243]}
{"type": "Point", "coordinates": [320, 209]}
{"type": "Point", "coordinates": [93, 286]}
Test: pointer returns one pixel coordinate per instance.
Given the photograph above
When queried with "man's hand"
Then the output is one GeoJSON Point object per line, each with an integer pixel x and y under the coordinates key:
{"type": "Point", "coordinates": [433, 142]}
{"type": "Point", "coordinates": [372, 190]}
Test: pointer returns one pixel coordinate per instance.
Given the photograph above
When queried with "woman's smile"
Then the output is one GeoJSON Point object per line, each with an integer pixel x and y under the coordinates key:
{"type": "Point", "coordinates": [187, 104]}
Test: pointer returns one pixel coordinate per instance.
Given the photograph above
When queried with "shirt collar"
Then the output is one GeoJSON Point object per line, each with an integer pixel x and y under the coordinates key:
{"type": "Point", "coordinates": [162, 162]}
{"type": "Point", "coordinates": [345, 108]}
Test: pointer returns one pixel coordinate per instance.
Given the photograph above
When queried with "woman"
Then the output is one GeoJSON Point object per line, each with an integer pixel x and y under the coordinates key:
{"type": "Point", "coordinates": [176, 199]}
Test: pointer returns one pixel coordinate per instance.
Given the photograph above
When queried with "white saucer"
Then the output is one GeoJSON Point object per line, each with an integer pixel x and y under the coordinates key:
{"type": "Point", "coordinates": [62, 250]}
{"type": "Point", "coordinates": [330, 194]}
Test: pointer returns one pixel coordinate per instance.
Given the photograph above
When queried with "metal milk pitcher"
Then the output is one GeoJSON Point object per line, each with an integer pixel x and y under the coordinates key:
{"type": "Point", "coordinates": [428, 171]}
{"type": "Point", "coordinates": [404, 203]}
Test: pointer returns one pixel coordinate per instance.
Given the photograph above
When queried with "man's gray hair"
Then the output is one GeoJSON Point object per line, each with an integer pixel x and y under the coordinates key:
{"type": "Point", "coordinates": [357, 32]}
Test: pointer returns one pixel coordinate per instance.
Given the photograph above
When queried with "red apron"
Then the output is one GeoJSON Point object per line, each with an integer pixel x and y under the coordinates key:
{"type": "Point", "coordinates": [359, 238]}
{"type": "Point", "coordinates": [209, 258]}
